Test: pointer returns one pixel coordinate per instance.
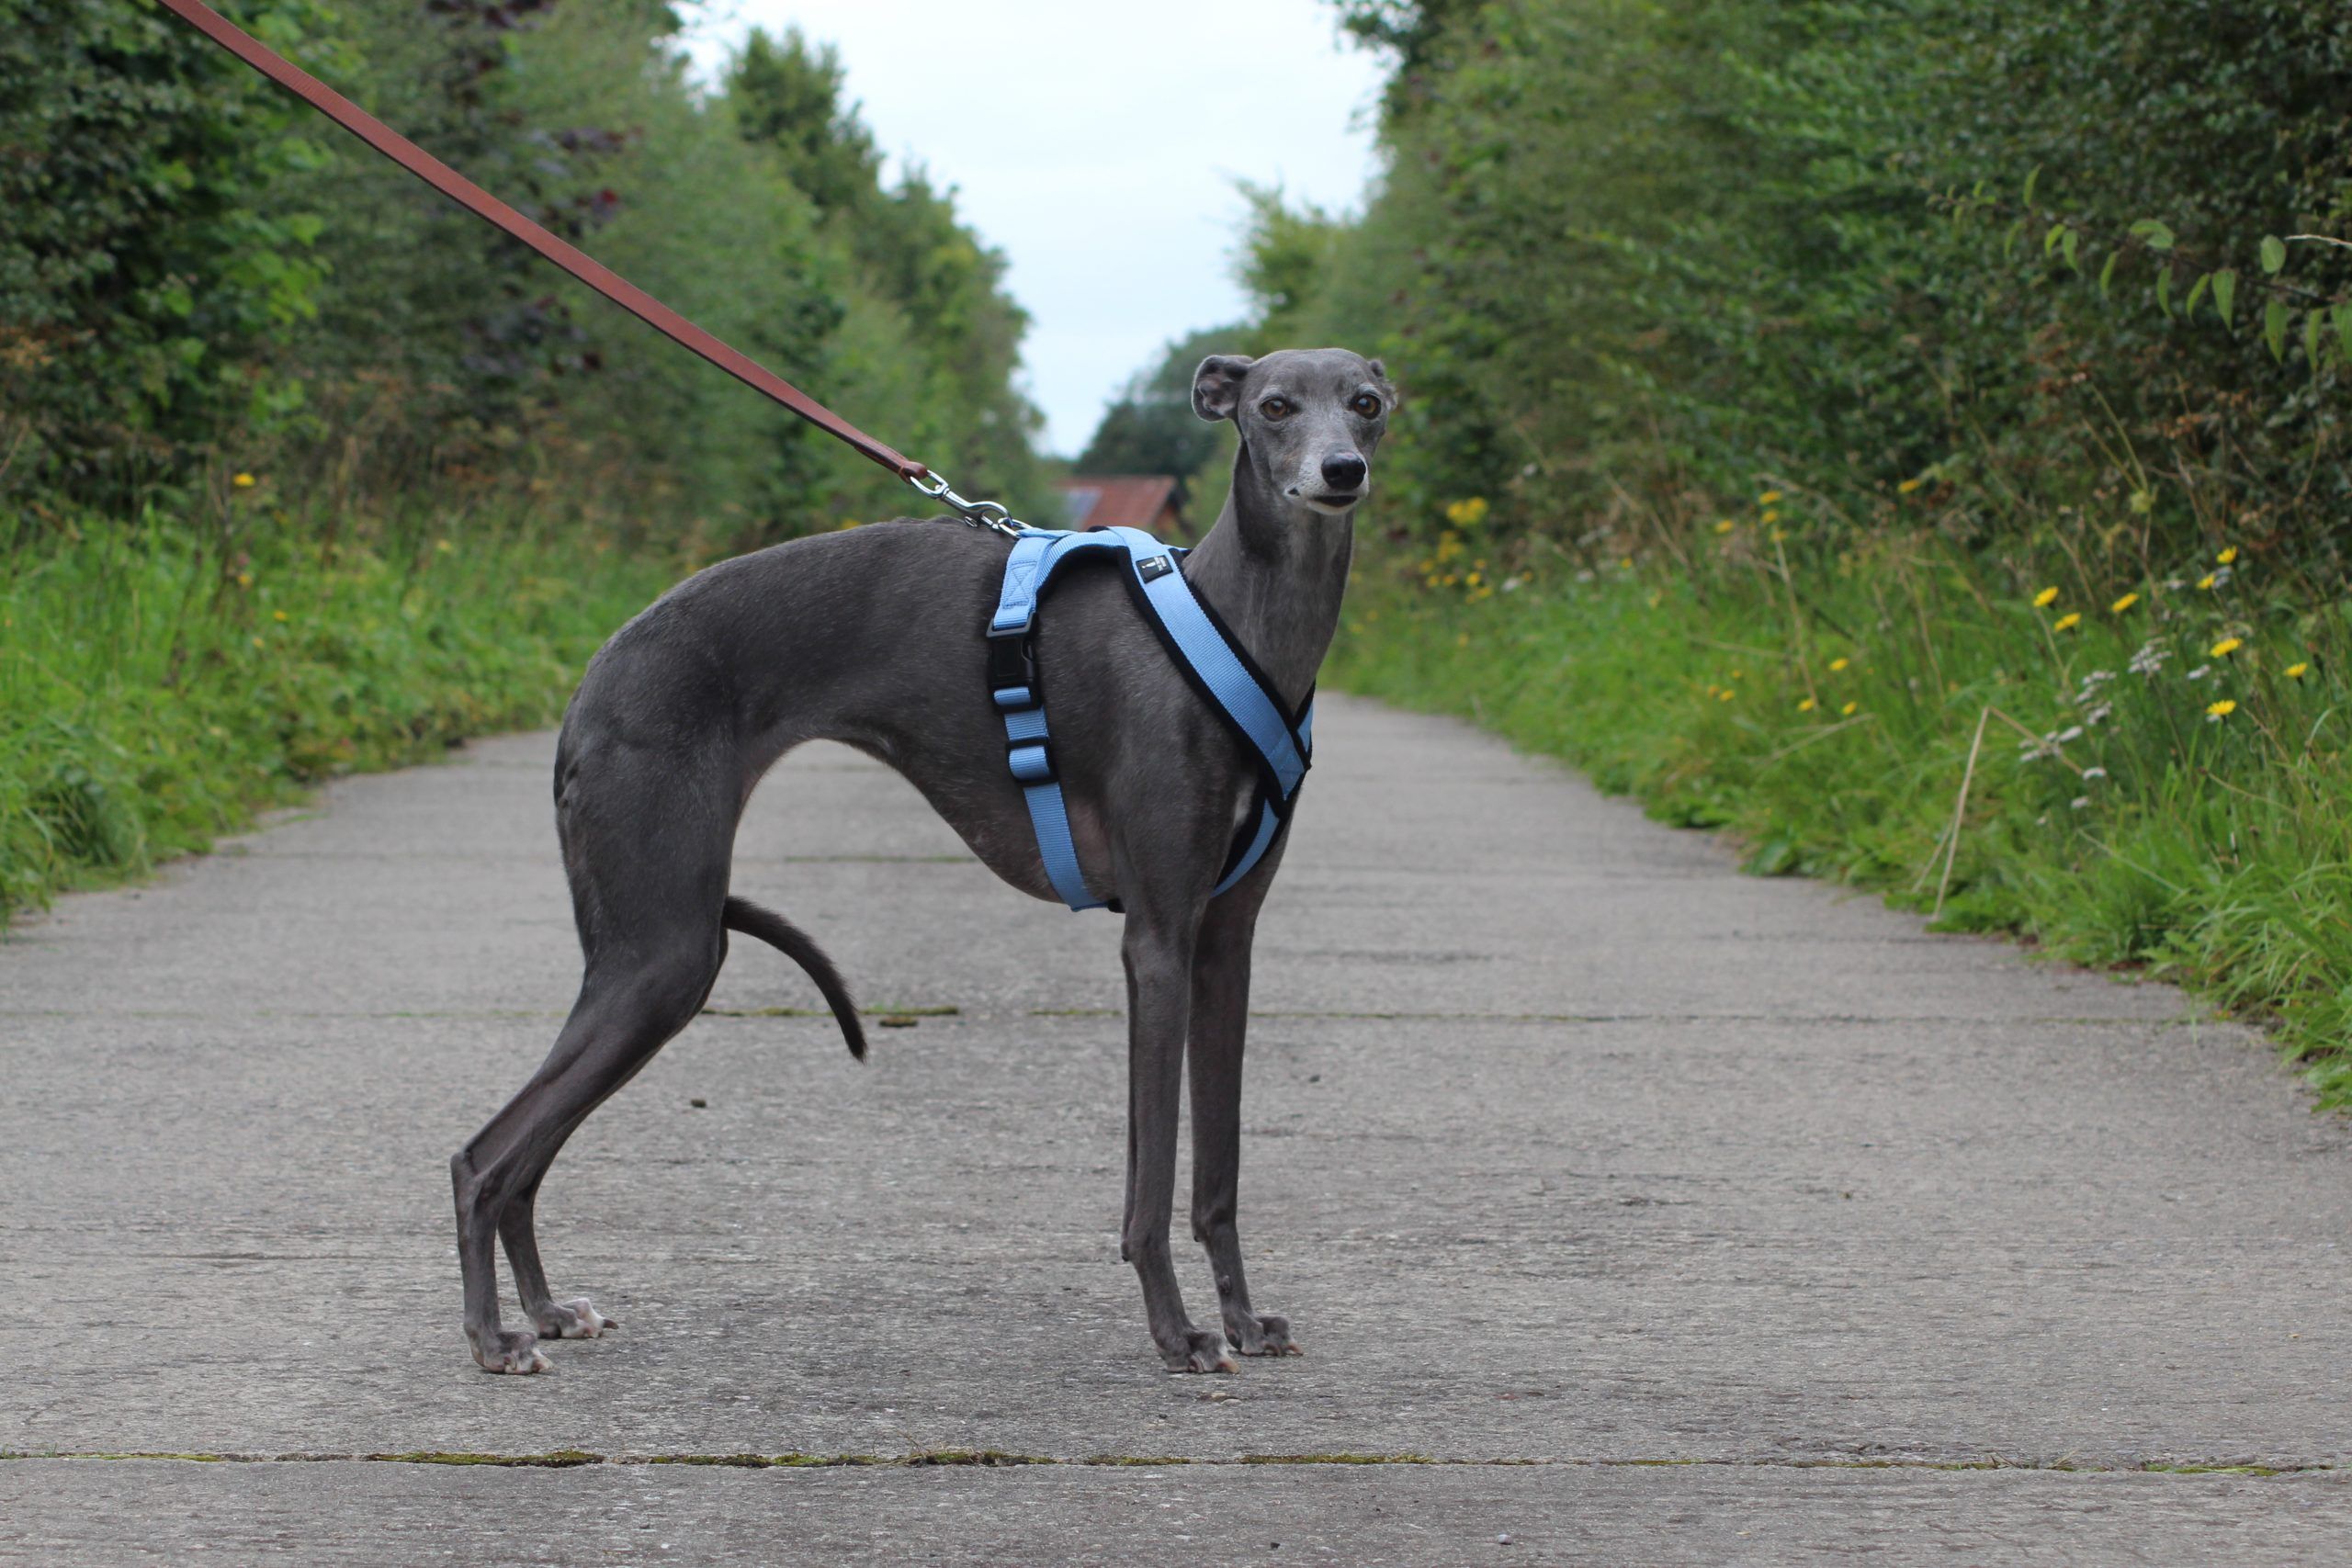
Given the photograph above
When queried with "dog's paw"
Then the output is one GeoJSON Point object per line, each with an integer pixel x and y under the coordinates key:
{"type": "Point", "coordinates": [511, 1350]}
{"type": "Point", "coordinates": [1263, 1334]}
{"type": "Point", "coordinates": [571, 1320]}
{"type": "Point", "coordinates": [1202, 1350]}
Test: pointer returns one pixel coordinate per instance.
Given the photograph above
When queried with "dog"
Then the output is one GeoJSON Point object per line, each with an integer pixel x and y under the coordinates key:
{"type": "Point", "coordinates": [873, 637]}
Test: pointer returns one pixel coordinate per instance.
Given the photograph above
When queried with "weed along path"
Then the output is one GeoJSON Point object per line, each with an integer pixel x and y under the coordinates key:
{"type": "Point", "coordinates": [1673, 1215]}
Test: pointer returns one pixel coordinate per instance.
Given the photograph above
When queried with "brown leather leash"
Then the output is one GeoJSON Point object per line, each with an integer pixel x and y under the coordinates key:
{"type": "Point", "coordinates": [577, 262]}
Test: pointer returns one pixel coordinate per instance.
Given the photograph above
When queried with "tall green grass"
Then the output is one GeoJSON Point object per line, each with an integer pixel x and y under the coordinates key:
{"type": "Point", "coordinates": [2160, 784]}
{"type": "Point", "coordinates": [163, 681]}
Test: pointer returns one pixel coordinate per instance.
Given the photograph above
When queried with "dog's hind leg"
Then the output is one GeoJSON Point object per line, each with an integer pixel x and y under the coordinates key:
{"type": "Point", "coordinates": [1220, 1016]}
{"type": "Point", "coordinates": [624, 1014]}
{"type": "Point", "coordinates": [518, 1228]}
{"type": "Point", "coordinates": [649, 889]}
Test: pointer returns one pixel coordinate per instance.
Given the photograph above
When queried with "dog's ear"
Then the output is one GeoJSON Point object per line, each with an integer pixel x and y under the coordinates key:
{"type": "Point", "coordinates": [1216, 385]}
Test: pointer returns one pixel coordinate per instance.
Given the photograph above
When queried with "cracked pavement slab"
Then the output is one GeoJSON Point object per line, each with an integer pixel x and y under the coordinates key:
{"type": "Point", "coordinates": [1564, 1143]}
{"type": "Point", "coordinates": [1359, 1517]}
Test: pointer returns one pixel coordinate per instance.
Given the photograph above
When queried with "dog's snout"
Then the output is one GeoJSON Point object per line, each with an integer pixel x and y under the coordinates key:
{"type": "Point", "coordinates": [1344, 472]}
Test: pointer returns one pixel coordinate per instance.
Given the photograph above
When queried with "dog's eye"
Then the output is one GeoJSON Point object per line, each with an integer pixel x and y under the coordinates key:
{"type": "Point", "coordinates": [1274, 408]}
{"type": "Point", "coordinates": [1367, 405]}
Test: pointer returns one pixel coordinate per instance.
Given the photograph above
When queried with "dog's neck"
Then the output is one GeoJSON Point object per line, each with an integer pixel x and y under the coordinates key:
{"type": "Point", "coordinates": [1275, 571]}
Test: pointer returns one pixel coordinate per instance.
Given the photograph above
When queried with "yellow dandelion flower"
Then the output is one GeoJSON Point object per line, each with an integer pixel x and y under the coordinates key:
{"type": "Point", "coordinates": [1768, 498]}
{"type": "Point", "coordinates": [1739, 674]}
{"type": "Point", "coordinates": [244, 481]}
{"type": "Point", "coordinates": [2222, 709]}
{"type": "Point", "coordinates": [1726, 526]}
{"type": "Point", "coordinates": [277, 615]}
{"type": "Point", "coordinates": [1474, 580]}
{"type": "Point", "coordinates": [444, 547]}
{"type": "Point", "coordinates": [1850, 709]}
{"type": "Point", "coordinates": [258, 643]}
{"type": "Point", "coordinates": [1807, 705]}
{"type": "Point", "coordinates": [1468, 512]}
{"type": "Point", "coordinates": [2206, 582]}
{"type": "Point", "coordinates": [2047, 597]}
{"type": "Point", "coordinates": [2297, 671]}
{"type": "Point", "coordinates": [2123, 604]}
{"type": "Point", "coordinates": [1726, 694]}
{"type": "Point", "coordinates": [1771, 517]}
{"type": "Point", "coordinates": [2226, 557]}
{"type": "Point", "coordinates": [2067, 621]}
{"type": "Point", "coordinates": [2226, 647]}
{"type": "Point", "coordinates": [1840, 662]}
{"type": "Point", "coordinates": [1907, 486]}
{"type": "Point", "coordinates": [245, 580]}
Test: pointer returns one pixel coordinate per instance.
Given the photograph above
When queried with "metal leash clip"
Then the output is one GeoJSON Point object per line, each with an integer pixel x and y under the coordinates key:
{"type": "Point", "coordinates": [979, 513]}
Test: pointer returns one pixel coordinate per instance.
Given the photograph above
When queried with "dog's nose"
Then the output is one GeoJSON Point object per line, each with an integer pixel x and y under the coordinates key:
{"type": "Point", "coordinates": [1344, 472]}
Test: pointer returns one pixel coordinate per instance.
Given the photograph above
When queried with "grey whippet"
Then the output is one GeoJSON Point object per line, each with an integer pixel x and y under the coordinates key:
{"type": "Point", "coordinates": [874, 637]}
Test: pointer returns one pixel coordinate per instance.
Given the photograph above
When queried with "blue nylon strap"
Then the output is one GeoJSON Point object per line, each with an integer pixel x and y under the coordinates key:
{"type": "Point", "coordinates": [1050, 817]}
{"type": "Point", "coordinates": [1251, 706]}
{"type": "Point", "coordinates": [1270, 822]}
{"type": "Point", "coordinates": [1028, 569]}
{"type": "Point", "coordinates": [1253, 711]}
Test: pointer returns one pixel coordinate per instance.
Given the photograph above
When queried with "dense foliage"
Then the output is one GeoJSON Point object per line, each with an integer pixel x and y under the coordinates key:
{"type": "Point", "coordinates": [1636, 258]}
{"type": "Point", "coordinates": [1911, 434]}
{"type": "Point", "coordinates": [302, 470]}
{"type": "Point", "coordinates": [147, 705]}
{"type": "Point", "coordinates": [199, 277]}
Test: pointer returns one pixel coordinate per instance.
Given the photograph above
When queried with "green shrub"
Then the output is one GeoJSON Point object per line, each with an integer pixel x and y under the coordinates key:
{"type": "Point", "coordinates": [156, 691]}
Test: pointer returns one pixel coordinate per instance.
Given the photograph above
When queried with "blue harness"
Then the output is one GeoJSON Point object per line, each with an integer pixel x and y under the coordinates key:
{"type": "Point", "coordinates": [1216, 666]}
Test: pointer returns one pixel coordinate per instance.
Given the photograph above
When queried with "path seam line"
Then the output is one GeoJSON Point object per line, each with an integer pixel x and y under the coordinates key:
{"type": "Point", "coordinates": [998, 1459]}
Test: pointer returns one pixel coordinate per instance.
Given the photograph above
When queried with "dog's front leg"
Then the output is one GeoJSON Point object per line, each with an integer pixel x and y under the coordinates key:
{"type": "Point", "coordinates": [1158, 952]}
{"type": "Point", "coordinates": [1220, 1018]}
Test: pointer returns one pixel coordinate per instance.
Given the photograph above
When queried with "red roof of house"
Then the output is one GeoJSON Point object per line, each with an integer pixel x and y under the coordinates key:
{"type": "Point", "coordinates": [1118, 501]}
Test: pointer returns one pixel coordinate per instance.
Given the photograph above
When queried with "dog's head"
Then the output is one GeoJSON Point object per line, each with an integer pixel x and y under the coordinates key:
{"type": "Point", "coordinates": [1310, 419]}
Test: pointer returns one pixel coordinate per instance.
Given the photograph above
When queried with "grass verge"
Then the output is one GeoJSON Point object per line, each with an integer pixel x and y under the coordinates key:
{"type": "Point", "coordinates": [161, 682]}
{"type": "Point", "coordinates": [2144, 772]}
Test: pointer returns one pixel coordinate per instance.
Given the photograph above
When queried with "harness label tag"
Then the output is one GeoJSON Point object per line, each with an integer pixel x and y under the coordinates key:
{"type": "Point", "coordinates": [1155, 568]}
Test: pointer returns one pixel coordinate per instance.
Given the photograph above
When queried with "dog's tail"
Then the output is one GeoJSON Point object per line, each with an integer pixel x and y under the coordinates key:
{"type": "Point", "coordinates": [744, 916]}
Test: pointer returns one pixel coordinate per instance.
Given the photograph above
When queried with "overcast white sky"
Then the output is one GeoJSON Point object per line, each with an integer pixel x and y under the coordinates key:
{"type": "Point", "coordinates": [1096, 144]}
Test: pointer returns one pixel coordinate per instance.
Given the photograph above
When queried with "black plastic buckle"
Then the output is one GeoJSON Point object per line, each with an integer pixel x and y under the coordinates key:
{"type": "Point", "coordinates": [1013, 661]}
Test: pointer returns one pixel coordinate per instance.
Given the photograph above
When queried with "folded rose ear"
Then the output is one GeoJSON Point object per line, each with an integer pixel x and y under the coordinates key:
{"type": "Point", "coordinates": [1216, 385]}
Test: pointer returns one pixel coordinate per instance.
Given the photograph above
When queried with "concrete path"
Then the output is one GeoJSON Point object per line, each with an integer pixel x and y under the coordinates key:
{"type": "Point", "coordinates": [1679, 1216]}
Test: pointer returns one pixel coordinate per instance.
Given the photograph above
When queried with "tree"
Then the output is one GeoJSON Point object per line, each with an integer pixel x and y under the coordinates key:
{"type": "Point", "coordinates": [1150, 427]}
